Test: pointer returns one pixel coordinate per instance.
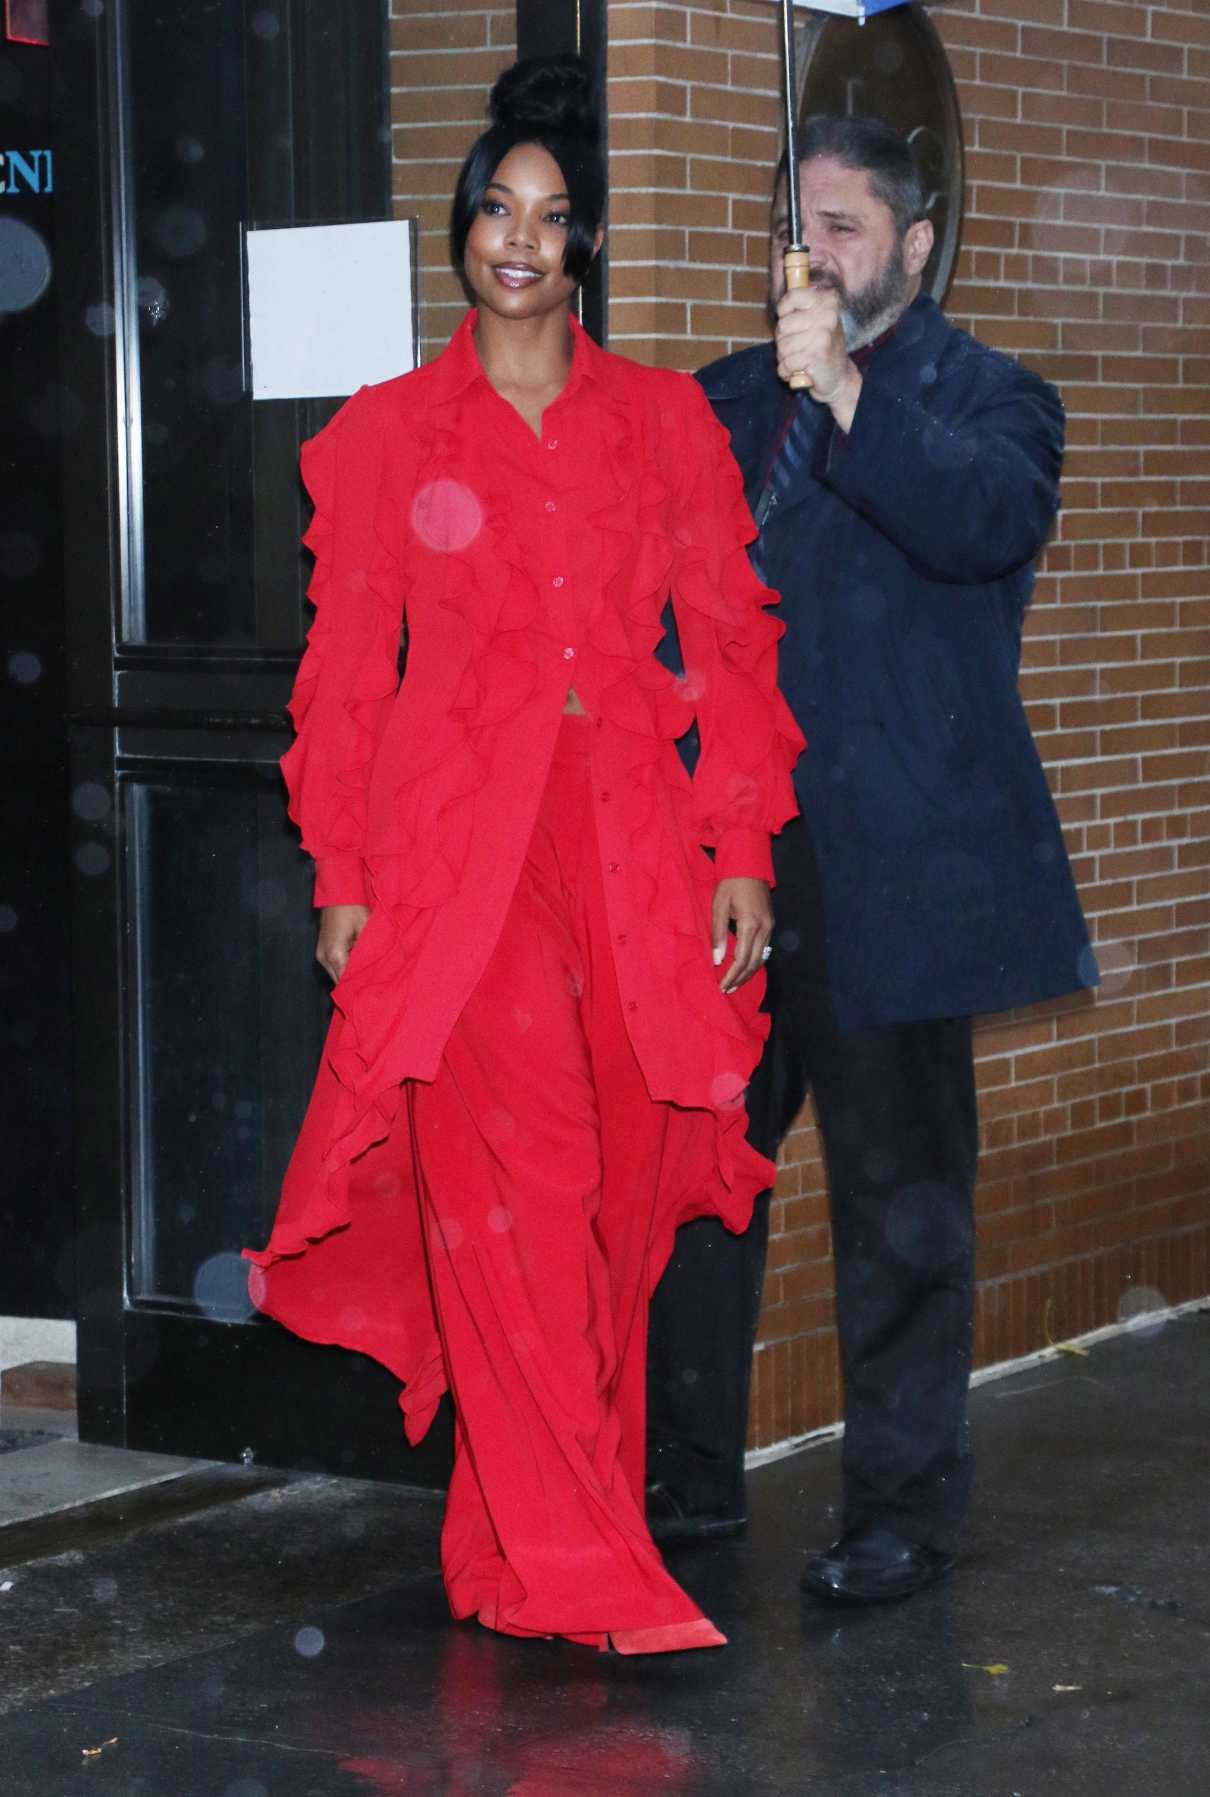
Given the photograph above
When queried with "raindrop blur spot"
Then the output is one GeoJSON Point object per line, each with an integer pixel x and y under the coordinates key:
{"type": "Point", "coordinates": [309, 1642]}
{"type": "Point", "coordinates": [20, 554]}
{"type": "Point", "coordinates": [24, 667]}
{"type": "Point", "coordinates": [25, 265]}
{"type": "Point", "coordinates": [155, 435]}
{"type": "Point", "coordinates": [500, 1220]}
{"type": "Point", "coordinates": [221, 1288]}
{"type": "Point", "coordinates": [92, 859]}
{"type": "Point", "coordinates": [789, 941]}
{"type": "Point", "coordinates": [691, 686]}
{"type": "Point", "coordinates": [190, 149]}
{"type": "Point", "coordinates": [92, 9]}
{"type": "Point", "coordinates": [100, 319]}
{"type": "Point", "coordinates": [450, 1231]}
{"type": "Point", "coordinates": [90, 801]}
{"type": "Point", "coordinates": [180, 231]}
{"type": "Point", "coordinates": [105, 1590]}
{"type": "Point", "coordinates": [8, 920]}
{"type": "Point", "coordinates": [446, 515]}
{"type": "Point", "coordinates": [266, 24]}
{"type": "Point", "coordinates": [727, 1090]}
{"type": "Point", "coordinates": [1115, 961]}
{"type": "Point", "coordinates": [153, 299]}
{"type": "Point", "coordinates": [1144, 1308]}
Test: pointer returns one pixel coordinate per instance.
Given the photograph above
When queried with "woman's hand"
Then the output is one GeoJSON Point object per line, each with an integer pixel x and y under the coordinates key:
{"type": "Point", "coordinates": [747, 905]}
{"type": "Point", "coordinates": [339, 928]}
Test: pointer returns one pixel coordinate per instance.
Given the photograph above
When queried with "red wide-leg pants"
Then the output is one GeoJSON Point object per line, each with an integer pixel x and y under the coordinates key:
{"type": "Point", "coordinates": [538, 1152]}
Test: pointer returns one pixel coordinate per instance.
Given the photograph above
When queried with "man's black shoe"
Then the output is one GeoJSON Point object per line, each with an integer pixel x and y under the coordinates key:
{"type": "Point", "coordinates": [670, 1519]}
{"type": "Point", "coordinates": [873, 1565]}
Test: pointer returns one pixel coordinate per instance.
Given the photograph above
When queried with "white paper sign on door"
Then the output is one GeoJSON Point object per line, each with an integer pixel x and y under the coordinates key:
{"type": "Point", "coordinates": [330, 307]}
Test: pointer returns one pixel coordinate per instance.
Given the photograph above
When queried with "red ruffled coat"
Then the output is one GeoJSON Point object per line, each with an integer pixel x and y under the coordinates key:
{"type": "Point", "coordinates": [419, 798]}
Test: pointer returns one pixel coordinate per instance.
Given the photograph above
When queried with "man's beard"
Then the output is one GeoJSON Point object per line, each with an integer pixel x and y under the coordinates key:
{"type": "Point", "coordinates": [865, 314]}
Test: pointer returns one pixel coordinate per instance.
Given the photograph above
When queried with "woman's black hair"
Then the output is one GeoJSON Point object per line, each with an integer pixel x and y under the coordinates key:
{"type": "Point", "coordinates": [545, 100]}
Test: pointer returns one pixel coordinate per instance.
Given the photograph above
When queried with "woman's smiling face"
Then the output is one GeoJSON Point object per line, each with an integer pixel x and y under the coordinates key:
{"type": "Point", "coordinates": [513, 261]}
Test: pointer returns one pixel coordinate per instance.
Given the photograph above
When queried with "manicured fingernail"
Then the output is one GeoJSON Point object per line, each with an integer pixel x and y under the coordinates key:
{"type": "Point", "coordinates": [719, 952]}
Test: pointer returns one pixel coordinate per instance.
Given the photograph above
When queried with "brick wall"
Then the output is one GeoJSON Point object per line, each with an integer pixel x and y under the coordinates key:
{"type": "Point", "coordinates": [444, 58]}
{"type": "Point", "coordinates": [1085, 251]}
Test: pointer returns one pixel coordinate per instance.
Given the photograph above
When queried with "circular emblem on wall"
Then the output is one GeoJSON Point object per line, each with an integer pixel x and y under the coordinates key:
{"type": "Point", "coordinates": [894, 67]}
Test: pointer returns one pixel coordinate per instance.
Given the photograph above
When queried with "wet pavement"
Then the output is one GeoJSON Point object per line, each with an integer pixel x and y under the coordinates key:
{"type": "Point", "coordinates": [240, 1633]}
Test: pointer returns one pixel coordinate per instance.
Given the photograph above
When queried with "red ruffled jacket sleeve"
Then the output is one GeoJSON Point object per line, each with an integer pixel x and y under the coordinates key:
{"type": "Point", "coordinates": [349, 673]}
{"type": "Point", "coordinates": [743, 792]}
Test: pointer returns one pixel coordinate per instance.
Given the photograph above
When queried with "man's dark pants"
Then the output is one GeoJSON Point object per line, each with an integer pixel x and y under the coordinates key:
{"type": "Point", "coordinates": [896, 1109]}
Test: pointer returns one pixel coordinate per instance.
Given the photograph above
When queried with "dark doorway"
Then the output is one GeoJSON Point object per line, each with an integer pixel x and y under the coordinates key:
{"type": "Point", "coordinates": [36, 1219]}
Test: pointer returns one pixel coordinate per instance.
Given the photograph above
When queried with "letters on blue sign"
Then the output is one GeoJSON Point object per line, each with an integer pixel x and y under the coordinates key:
{"type": "Point", "coordinates": [27, 171]}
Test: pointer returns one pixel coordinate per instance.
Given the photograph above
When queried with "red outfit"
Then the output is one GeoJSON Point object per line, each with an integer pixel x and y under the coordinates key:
{"type": "Point", "coordinates": [531, 1077]}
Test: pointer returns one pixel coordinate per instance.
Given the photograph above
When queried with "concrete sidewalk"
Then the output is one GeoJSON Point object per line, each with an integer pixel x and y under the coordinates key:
{"type": "Point", "coordinates": [232, 1633]}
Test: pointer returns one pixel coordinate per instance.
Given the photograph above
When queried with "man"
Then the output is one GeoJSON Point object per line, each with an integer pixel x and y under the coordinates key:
{"type": "Point", "coordinates": [901, 501]}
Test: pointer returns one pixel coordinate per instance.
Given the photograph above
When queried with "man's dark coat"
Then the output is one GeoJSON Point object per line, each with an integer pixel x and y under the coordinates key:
{"type": "Point", "coordinates": [904, 556]}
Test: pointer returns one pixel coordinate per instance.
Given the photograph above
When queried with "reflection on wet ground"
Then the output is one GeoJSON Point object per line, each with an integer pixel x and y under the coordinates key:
{"type": "Point", "coordinates": [290, 1639]}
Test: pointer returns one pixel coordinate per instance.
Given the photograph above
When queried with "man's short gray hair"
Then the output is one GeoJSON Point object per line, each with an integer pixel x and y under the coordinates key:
{"type": "Point", "coordinates": [870, 144]}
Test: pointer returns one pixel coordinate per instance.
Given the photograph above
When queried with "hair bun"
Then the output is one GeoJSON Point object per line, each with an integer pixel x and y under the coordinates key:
{"type": "Point", "coordinates": [547, 93]}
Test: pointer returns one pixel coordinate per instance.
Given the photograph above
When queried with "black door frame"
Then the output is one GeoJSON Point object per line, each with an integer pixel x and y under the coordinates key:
{"type": "Point", "coordinates": [544, 28]}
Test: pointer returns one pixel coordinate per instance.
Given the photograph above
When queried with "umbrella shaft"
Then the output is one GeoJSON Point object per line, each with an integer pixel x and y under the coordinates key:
{"type": "Point", "coordinates": [790, 77]}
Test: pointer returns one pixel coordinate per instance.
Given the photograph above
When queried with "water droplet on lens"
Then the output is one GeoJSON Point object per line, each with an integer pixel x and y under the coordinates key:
{"type": "Point", "coordinates": [446, 515]}
{"type": "Point", "coordinates": [92, 859]}
{"type": "Point", "coordinates": [189, 149]}
{"type": "Point", "coordinates": [90, 801]}
{"type": "Point", "coordinates": [105, 1590]}
{"type": "Point", "coordinates": [266, 24]}
{"type": "Point", "coordinates": [25, 265]}
{"type": "Point", "coordinates": [220, 1287]}
{"type": "Point", "coordinates": [309, 1642]}
{"type": "Point", "coordinates": [179, 231]}
{"type": "Point", "coordinates": [100, 319]}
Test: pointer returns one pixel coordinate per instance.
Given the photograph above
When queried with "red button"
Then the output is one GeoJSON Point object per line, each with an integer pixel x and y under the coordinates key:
{"type": "Point", "coordinates": [623, 939]}
{"type": "Point", "coordinates": [613, 867]}
{"type": "Point", "coordinates": [604, 798]}
{"type": "Point", "coordinates": [632, 1006]}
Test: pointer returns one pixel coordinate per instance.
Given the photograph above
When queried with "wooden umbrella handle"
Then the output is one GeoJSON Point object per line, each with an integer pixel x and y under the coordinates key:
{"type": "Point", "coordinates": [798, 274]}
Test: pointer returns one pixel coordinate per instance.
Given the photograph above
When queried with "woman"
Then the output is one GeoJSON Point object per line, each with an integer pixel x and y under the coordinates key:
{"type": "Point", "coordinates": [536, 1068]}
